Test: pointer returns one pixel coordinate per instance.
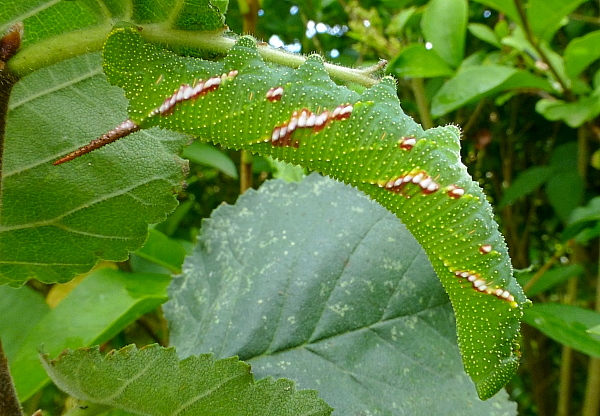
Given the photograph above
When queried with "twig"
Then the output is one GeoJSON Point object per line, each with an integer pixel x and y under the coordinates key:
{"type": "Point", "coordinates": [9, 402]}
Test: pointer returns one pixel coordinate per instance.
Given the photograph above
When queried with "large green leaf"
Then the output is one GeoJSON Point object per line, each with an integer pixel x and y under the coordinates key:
{"type": "Point", "coordinates": [573, 113]}
{"type": "Point", "coordinates": [567, 324]}
{"type": "Point", "coordinates": [314, 282]}
{"type": "Point", "coordinates": [503, 6]}
{"type": "Point", "coordinates": [95, 311]}
{"type": "Point", "coordinates": [581, 52]}
{"type": "Point", "coordinates": [444, 25]}
{"type": "Point", "coordinates": [547, 16]}
{"type": "Point", "coordinates": [56, 222]}
{"type": "Point", "coordinates": [21, 309]}
{"type": "Point", "coordinates": [477, 82]}
{"type": "Point", "coordinates": [56, 30]}
{"type": "Point", "coordinates": [526, 183]}
{"type": "Point", "coordinates": [130, 379]}
{"type": "Point", "coordinates": [418, 62]}
{"type": "Point", "coordinates": [551, 278]}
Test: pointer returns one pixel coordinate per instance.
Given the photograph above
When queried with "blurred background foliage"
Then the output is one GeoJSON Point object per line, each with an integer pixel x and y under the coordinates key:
{"type": "Point", "coordinates": [522, 79]}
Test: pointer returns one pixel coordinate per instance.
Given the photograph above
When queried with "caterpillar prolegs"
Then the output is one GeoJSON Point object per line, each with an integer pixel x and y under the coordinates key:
{"type": "Point", "coordinates": [301, 116]}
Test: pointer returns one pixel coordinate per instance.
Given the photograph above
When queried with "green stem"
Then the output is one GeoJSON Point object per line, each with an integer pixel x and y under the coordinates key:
{"type": "Point", "coordinates": [536, 45]}
{"type": "Point", "coordinates": [422, 104]}
{"type": "Point", "coordinates": [58, 48]}
{"type": "Point", "coordinates": [565, 392]}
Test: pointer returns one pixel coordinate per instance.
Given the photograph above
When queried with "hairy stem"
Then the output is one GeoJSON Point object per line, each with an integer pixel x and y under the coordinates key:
{"type": "Point", "coordinates": [9, 403]}
{"type": "Point", "coordinates": [52, 50]}
{"type": "Point", "coordinates": [216, 42]}
{"type": "Point", "coordinates": [9, 46]}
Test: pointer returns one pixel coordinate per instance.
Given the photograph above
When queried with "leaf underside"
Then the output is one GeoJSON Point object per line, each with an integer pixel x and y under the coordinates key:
{"type": "Point", "coordinates": [316, 283]}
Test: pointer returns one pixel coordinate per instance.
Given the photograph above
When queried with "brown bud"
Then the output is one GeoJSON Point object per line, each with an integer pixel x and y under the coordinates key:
{"type": "Point", "coordinates": [10, 43]}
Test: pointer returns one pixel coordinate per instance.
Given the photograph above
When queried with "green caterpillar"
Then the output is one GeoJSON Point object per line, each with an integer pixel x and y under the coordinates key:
{"type": "Point", "coordinates": [301, 116]}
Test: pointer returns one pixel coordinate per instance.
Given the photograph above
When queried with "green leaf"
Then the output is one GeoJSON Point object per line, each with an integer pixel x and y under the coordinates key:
{"type": "Point", "coordinates": [526, 183]}
{"type": "Point", "coordinates": [595, 330]}
{"type": "Point", "coordinates": [129, 379]}
{"type": "Point", "coordinates": [418, 62]}
{"type": "Point", "coordinates": [584, 222]}
{"type": "Point", "coordinates": [484, 33]}
{"type": "Point", "coordinates": [565, 191]}
{"type": "Point", "coordinates": [591, 212]}
{"type": "Point", "coordinates": [84, 24]}
{"type": "Point", "coordinates": [303, 117]}
{"type": "Point", "coordinates": [581, 52]}
{"type": "Point", "coordinates": [506, 7]}
{"type": "Point", "coordinates": [398, 23]}
{"type": "Point", "coordinates": [105, 204]}
{"type": "Point", "coordinates": [66, 16]}
{"type": "Point", "coordinates": [101, 306]}
{"type": "Point", "coordinates": [21, 309]}
{"type": "Point", "coordinates": [474, 83]}
{"type": "Point", "coordinates": [552, 278]}
{"type": "Point", "coordinates": [286, 171]}
{"type": "Point", "coordinates": [547, 16]}
{"type": "Point", "coordinates": [209, 155]}
{"type": "Point", "coordinates": [566, 324]}
{"type": "Point", "coordinates": [444, 24]}
{"type": "Point", "coordinates": [312, 281]}
{"type": "Point", "coordinates": [574, 113]}
{"type": "Point", "coordinates": [565, 181]}
{"type": "Point", "coordinates": [163, 251]}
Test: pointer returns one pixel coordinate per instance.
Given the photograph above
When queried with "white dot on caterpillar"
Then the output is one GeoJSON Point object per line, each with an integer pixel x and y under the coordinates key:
{"type": "Point", "coordinates": [485, 249]}
{"type": "Point", "coordinates": [282, 132]}
{"type": "Point", "coordinates": [302, 119]}
{"type": "Point", "coordinates": [431, 188]}
{"type": "Point", "coordinates": [274, 94]}
{"type": "Point", "coordinates": [321, 119]}
{"type": "Point", "coordinates": [345, 112]}
{"type": "Point", "coordinates": [275, 134]}
{"type": "Point", "coordinates": [180, 93]}
{"type": "Point", "coordinates": [187, 91]}
{"type": "Point", "coordinates": [418, 178]}
{"type": "Point", "coordinates": [336, 112]}
{"type": "Point", "coordinates": [426, 182]}
{"type": "Point", "coordinates": [455, 192]}
{"type": "Point", "coordinates": [480, 285]}
{"type": "Point", "coordinates": [407, 143]}
{"type": "Point", "coordinates": [293, 122]}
